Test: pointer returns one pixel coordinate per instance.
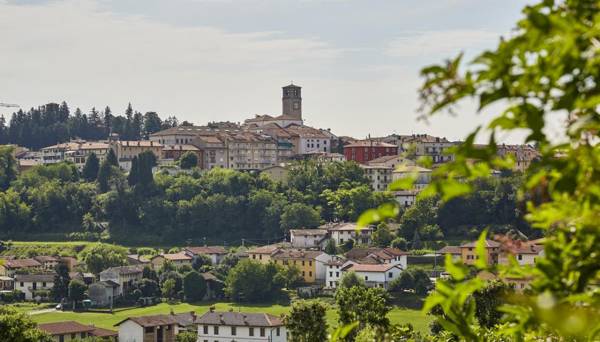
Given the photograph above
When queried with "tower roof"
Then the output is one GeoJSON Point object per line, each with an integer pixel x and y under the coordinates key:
{"type": "Point", "coordinates": [292, 85]}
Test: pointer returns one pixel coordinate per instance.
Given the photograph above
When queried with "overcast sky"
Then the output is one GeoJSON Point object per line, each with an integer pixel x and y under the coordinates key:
{"type": "Point", "coordinates": [358, 61]}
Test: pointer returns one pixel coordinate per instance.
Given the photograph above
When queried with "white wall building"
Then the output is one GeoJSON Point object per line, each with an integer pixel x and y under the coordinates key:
{"type": "Point", "coordinates": [308, 238]}
{"type": "Point", "coordinates": [125, 276]}
{"type": "Point", "coordinates": [334, 271]}
{"type": "Point", "coordinates": [379, 275]}
{"type": "Point", "coordinates": [29, 284]}
{"type": "Point", "coordinates": [240, 327]}
{"type": "Point", "coordinates": [157, 328]}
{"type": "Point", "coordinates": [344, 231]}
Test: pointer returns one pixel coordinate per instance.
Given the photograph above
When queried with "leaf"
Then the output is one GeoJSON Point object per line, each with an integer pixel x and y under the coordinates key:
{"type": "Point", "coordinates": [341, 332]}
{"type": "Point", "coordinates": [481, 250]}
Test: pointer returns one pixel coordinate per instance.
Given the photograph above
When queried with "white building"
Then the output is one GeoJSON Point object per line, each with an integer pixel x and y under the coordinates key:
{"type": "Point", "coordinates": [240, 327]}
{"type": "Point", "coordinates": [378, 275]}
{"type": "Point", "coordinates": [308, 238]}
{"type": "Point", "coordinates": [215, 253]}
{"type": "Point", "coordinates": [334, 272]}
{"type": "Point", "coordinates": [158, 328]}
{"type": "Point", "coordinates": [344, 231]}
{"type": "Point", "coordinates": [34, 285]}
{"type": "Point", "coordinates": [125, 276]}
{"type": "Point", "coordinates": [379, 175]}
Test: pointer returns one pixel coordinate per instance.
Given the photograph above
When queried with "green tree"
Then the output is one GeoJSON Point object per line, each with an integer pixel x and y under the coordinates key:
{"type": "Point", "coordinates": [60, 289]}
{"type": "Point", "coordinates": [188, 160]}
{"type": "Point", "coordinates": [250, 281]}
{"type": "Point", "coordinates": [330, 247]}
{"type": "Point", "coordinates": [100, 256]}
{"type": "Point", "coordinates": [18, 327]}
{"type": "Point", "coordinates": [400, 243]}
{"type": "Point", "coordinates": [194, 287]}
{"type": "Point", "coordinates": [134, 173]}
{"type": "Point", "coordinates": [367, 306]}
{"type": "Point", "coordinates": [152, 123]}
{"type": "Point", "coordinates": [186, 336]}
{"type": "Point", "coordinates": [111, 158]}
{"type": "Point", "coordinates": [382, 237]}
{"type": "Point", "coordinates": [299, 215]}
{"type": "Point", "coordinates": [77, 291]}
{"type": "Point", "coordinates": [169, 289]}
{"type": "Point", "coordinates": [8, 167]}
{"type": "Point", "coordinates": [104, 174]}
{"type": "Point", "coordinates": [91, 168]}
{"type": "Point", "coordinates": [350, 279]}
{"type": "Point", "coordinates": [306, 321]}
{"type": "Point", "coordinates": [290, 276]}
{"type": "Point", "coordinates": [488, 301]}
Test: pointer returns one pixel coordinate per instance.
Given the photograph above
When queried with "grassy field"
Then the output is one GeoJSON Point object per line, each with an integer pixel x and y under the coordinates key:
{"type": "Point", "coordinates": [106, 320]}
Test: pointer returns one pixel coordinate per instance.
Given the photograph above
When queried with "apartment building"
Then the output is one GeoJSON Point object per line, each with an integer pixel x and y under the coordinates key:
{"type": "Point", "coordinates": [363, 151]}
{"type": "Point", "coordinates": [312, 264]}
{"type": "Point", "coordinates": [216, 326]}
{"type": "Point", "coordinates": [125, 150]}
{"type": "Point", "coordinates": [76, 151]}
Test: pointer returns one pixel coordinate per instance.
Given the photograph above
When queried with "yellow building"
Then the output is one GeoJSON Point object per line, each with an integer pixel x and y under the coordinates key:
{"type": "Point", "coordinates": [468, 252]}
{"type": "Point", "coordinates": [126, 150]}
{"type": "Point", "coordinates": [306, 261]}
{"type": "Point", "coordinates": [263, 254]}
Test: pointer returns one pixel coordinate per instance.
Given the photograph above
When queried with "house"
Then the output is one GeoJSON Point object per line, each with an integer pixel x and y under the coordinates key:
{"type": "Point", "coordinates": [437, 149]}
{"type": "Point", "coordinates": [177, 259]}
{"type": "Point", "coordinates": [363, 151]}
{"type": "Point", "coordinates": [454, 252]}
{"type": "Point", "coordinates": [277, 173]}
{"type": "Point", "coordinates": [469, 254]}
{"type": "Point", "coordinates": [308, 238]}
{"type": "Point", "coordinates": [392, 161]}
{"type": "Point", "coordinates": [174, 152]}
{"type": "Point", "coordinates": [12, 266]}
{"type": "Point", "coordinates": [34, 286]}
{"type": "Point", "coordinates": [379, 275]}
{"type": "Point", "coordinates": [306, 139]}
{"type": "Point", "coordinates": [70, 261]}
{"type": "Point", "coordinates": [103, 293]}
{"type": "Point", "coordinates": [525, 253]}
{"type": "Point", "coordinates": [48, 262]}
{"type": "Point", "coordinates": [7, 283]}
{"type": "Point", "coordinates": [312, 264]}
{"type": "Point", "coordinates": [70, 330]}
{"type": "Point", "coordinates": [263, 254]}
{"type": "Point", "coordinates": [214, 286]}
{"type": "Point", "coordinates": [238, 326]}
{"type": "Point", "coordinates": [376, 255]}
{"type": "Point", "coordinates": [157, 328]}
{"type": "Point", "coordinates": [421, 175]}
{"type": "Point", "coordinates": [126, 150]}
{"type": "Point", "coordinates": [186, 321]}
{"type": "Point", "coordinates": [334, 271]}
{"type": "Point", "coordinates": [125, 276]}
{"type": "Point", "coordinates": [518, 283]}
{"type": "Point", "coordinates": [344, 231]}
{"type": "Point", "coordinates": [379, 175]}
{"type": "Point", "coordinates": [215, 253]}
{"type": "Point", "coordinates": [523, 155]}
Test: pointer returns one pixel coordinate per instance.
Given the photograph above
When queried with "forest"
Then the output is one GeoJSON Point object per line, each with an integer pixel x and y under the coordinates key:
{"type": "Point", "coordinates": [53, 123]}
{"type": "Point", "coordinates": [220, 206]}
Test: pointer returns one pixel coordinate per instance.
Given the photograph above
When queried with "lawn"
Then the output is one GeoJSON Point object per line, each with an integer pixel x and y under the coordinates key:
{"type": "Point", "coordinates": [104, 320]}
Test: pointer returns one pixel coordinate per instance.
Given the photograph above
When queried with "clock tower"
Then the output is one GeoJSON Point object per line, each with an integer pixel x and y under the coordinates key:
{"type": "Point", "coordinates": [292, 101]}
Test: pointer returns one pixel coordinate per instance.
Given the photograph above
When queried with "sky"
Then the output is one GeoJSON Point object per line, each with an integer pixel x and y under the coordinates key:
{"type": "Point", "coordinates": [358, 61]}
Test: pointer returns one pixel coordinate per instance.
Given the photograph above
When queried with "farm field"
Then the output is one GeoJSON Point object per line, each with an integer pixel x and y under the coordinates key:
{"type": "Point", "coordinates": [419, 320]}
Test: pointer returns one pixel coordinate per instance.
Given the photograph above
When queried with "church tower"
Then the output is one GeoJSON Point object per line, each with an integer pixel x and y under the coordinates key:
{"type": "Point", "coordinates": [292, 101]}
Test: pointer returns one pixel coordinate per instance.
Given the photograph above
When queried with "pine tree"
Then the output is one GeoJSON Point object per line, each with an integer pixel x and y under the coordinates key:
{"type": "Point", "coordinates": [91, 167]}
{"type": "Point", "coordinates": [104, 176]}
{"type": "Point", "coordinates": [111, 158]}
{"type": "Point", "coordinates": [107, 121]}
{"type": "Point", "coordinates": [133, 177]}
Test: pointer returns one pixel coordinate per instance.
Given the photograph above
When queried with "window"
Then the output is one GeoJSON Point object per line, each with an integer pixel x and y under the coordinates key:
{"type": "Point", "coordinates": [310, 263]}
{"type": "Point", "coordinates": [44, 283]}
{"type": "Point", "coordinates": [262, 331]}
{"type": "Point", "coordinates": [366, 278]}
{"type": "Point", "coordinates": [205, 330]}
{"type": "Point", "coordinates": [277, 332]}
{"type": "Point", "coordinates": [73, 336]}
{"type": "Point", "coordinates": [391, 275]}
{"type": "Point", "coordinates": [331, 274]}
{"type": "Point", "coordinates": [233, 331]}
{"type": "Point", "coordinates": [216, 330]}
{"type": "Point", "coordinates": [251, 331]}
{"type": "Point", "coordinates": [149, 330]}
{"type": "Point", "coordinates": [310, 273]}
{"type": "Point", "coordinates": [520, 257]}
{"type": "Point", "coordinates": [337, 274]}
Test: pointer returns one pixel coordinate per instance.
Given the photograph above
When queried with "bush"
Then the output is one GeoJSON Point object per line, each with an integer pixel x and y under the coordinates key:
{"type": "Point", "coordinates": [194, 287]}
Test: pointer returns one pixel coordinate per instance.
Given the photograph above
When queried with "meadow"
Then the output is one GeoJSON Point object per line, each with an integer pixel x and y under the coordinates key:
{"type": "Point", "coordinates": [419, 320]}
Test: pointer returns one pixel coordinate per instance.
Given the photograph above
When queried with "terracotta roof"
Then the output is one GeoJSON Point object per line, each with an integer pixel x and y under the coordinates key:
{"type": "Point", "coordinates": [207, 250]}
{"type": "Point", "coordinates": [343, 226]}
{"type": "Point", "coordinates": [240, 319]}
{"type": "Point", "coordinates": [370, 267]}
{"type": "Point", "coordinates": [296, 254]}
{"type": "Point", "coordinates": [488, 244]}
{"type": "Point", "coordinates": [63, 328]}
{"type": "Point", "coordinates": [384, 159]}
{"type": "Point", "coordinates": [126, 269]}
{"type": "Point", "coordinates": [20, 263]}
{"type": "Point", "coordinates": [269, 249]}
{"type": "Point", "coordinates": [151, 321]}
{"type": "Point", "coordinates": [174, 256]}
{"type": "Point", "coordinates": [309, 232]}
{"type": "Point", "coordinates": [368, 143]}
{"type": "Point", "coordinates": [138, 143]}
{"type": "Point", "coordinates": [185, 319]}
{"type": "Point", "coordinates": [449, 250]}
{"type": "Point", "coordinates": [306, 132]}
{"type": "Point", "coordinates": [29, 278]}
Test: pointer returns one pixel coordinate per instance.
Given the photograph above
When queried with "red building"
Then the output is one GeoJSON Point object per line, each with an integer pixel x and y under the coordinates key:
{"type": "Point", "coordinates": [363, 151]}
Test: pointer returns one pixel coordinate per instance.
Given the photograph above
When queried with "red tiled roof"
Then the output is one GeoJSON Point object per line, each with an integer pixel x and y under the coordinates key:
{"type": "Point", "coordinates": [369, 143]}
{"type": "Point", "coordinates": [19, 263]}
{"type": "Point", "coordinates": [207, 250]}
{"type": "Point", "coordinates": [151, 321]}
{"type": "Point", "coordinates": [370, 267]}
{"type": "Point", "coordinates": [488, 244]}
{"type": "Point", "coordinates": [240, 319]}
{"type": "Point", "coordinates": [67, 327]}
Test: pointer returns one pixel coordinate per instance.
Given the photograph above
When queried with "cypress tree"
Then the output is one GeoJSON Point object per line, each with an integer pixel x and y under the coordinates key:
{"type": "Point", "coordinates": [91, 168]}
{"type": "Point", "coordinates": [111, 158]}
{"type": "Point", "coordinates": [104, 176]}
{"type": "Point", "coordinates": [133, 177]}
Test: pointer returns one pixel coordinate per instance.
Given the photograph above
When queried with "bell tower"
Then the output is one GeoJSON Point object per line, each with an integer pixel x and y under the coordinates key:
{"type": "Point", "coordinates": [292, 101]}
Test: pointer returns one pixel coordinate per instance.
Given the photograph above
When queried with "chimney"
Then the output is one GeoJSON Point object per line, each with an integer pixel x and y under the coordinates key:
{"type": "Point", "coordinates": [193, 314]}
{"type": "Point", "coordinates": [138, 143]}
{"type": "Point", "coordinates": [172, 312]}
{"type": "Point", "coordinates": [212, 308]}
{"type": "Point", "coordinates": [151, 143]}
